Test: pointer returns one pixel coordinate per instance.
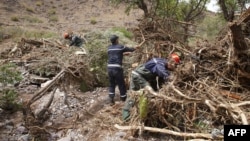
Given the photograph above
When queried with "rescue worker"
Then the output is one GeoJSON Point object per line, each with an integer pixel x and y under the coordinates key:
{"type": "Point", "coordinates": [115, 70]}
{"type": "Point", "coordinates": [74, 39]}
{"type": "Point", "coordinates": [146, 74]}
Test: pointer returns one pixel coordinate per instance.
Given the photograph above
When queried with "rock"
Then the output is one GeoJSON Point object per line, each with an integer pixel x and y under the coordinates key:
{"type": "Point", "coordinates": [120, 134]}
{"type": "Point", "coordinates": [68, 138]}
{"type": "Point", "coordinates": [215, 133]}
{"type": "Point", "coordinates": [9, 122]}
{"type": "Point", "coordinates": [9, 127]}
{"type": "Point", "coordinates": [21, 130]}
{"type": "Point", "coordinates": [24, 138]}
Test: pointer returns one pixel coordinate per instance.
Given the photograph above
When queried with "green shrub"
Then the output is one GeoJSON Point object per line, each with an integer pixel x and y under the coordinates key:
{"type": "Point", "coordinates": [93, 21]}
{"type": "Point", "coordinates": [51, 12]}
{"type": "Point", "coordinates": [29, 9]}
{"type": "Point", "coordinates": [8, 100]}
{"type": "Point", "coordinates": [15, 19]}
{"type": "Point", "coordinates": [9, 74]}
{"type": "Point", "coordinates": [8, 96]}
{"type": "Point", "coordinates": [123, 30]}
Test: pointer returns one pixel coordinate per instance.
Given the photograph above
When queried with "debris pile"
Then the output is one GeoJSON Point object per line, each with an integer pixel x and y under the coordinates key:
{"type": "Point", "coordinates": [210, 88]}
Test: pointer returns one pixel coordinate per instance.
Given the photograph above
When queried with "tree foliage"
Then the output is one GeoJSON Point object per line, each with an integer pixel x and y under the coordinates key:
{"type": "Point", "coordinates": [171, 11]}
{"type": "Point", "coordinates": [230, 7]}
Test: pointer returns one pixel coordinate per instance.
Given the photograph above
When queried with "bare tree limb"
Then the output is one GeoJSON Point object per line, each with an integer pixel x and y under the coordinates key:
{"type": "Point", "coordinates": [166, 131]}
{"type": "Point", "coordinates": [43, 90]}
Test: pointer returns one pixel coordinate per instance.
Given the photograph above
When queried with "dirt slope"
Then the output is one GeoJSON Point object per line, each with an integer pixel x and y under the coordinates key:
{"type": "Point", "coordinates": [80, 15]}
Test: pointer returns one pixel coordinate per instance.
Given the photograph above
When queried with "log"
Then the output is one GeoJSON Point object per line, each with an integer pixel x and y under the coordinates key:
{"type": "Point", "coordinates": [166, 131]}
{"type": "Point", "coordinates": [43, 90]}
{"type": "Point", "coordinates": [33, 42]}
{"type": "Point", "coordinates": [37, 79]}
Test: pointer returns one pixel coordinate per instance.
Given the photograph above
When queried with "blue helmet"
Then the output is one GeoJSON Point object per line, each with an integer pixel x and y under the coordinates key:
{"type": "Point", "coordinates": [113, 38]}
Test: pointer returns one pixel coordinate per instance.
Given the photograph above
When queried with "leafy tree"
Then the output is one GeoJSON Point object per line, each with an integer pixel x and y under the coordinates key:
{"type": "Point", "coordinates": [229, 8]}
{"type": "Point", "coordinates": [188, 11]}
{"type": "Point", "coordinates": [191, 11]}
{"type": "Point", "coordinates": [242, 4]}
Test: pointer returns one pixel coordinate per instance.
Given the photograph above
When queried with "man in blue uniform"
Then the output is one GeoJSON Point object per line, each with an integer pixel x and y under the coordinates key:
{"type": "Point", "coordinates": [145, 74]}
{"type": "Point", "coordinates": [115, 70]}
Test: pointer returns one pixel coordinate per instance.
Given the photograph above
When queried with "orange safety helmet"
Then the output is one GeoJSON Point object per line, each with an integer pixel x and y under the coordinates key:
{"type": "Point", "coordinates": [66, 35]}
{"type": "Point", "coordinates": [175, 57]}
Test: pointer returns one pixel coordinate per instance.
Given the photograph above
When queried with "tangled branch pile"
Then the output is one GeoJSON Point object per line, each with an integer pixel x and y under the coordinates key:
{"type": "Point", "coordinates": [210, 88]}
{"type": "Point", "coordinates": [48, 61]}
{"type": "Point", "coordinates": [47, 58]}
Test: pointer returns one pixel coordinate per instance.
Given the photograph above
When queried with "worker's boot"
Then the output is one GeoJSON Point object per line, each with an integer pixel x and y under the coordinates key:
{"type": "Point", "coordinates": [123, 98]}
{"type": "Point", "coordinates": [126, 109]}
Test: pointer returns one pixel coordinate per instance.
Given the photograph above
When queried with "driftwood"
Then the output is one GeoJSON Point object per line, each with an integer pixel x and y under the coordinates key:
{"type": "Point", "coordinates": [41, 114]}
{"type": "Point", "coordinates": [165, 131]}
{"type": "Point", "coordinates": [44, 42]}
{"type": "Point", "coordinates": [33, 42]}
{"type": "Point", "coordinates": [43, 90]}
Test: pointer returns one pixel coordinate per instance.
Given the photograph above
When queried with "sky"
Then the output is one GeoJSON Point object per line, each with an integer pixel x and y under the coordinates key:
{"type": "Point", "coordinates": [213, 6]}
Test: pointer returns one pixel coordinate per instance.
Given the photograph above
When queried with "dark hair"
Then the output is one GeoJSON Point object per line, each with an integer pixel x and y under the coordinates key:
{"type": "Point", "coordinates": [113, 38]}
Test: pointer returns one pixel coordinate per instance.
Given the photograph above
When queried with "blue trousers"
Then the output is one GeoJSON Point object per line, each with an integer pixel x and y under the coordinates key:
{"type": "Point", "coordinates": [116, 77]}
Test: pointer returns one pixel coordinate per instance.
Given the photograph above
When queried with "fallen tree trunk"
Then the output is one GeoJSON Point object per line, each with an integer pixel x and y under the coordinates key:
{"type": "Point", "coordinates": [43, 90]}
{"type": "Point", "coordinates": [166, 131]}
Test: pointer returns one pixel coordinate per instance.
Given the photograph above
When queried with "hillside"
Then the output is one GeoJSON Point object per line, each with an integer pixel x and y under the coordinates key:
{"type": "Point", "coordinates": [60, 15]}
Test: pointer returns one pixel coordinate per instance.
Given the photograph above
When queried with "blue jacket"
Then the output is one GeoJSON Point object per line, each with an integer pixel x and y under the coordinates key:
{"type": "Point", "coordinates": [115, 55]}
{"type": "Point", "coordinates": [157, 66]}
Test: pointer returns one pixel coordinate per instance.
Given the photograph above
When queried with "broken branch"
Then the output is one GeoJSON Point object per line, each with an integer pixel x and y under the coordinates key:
{"type": "Point", "coordinates": [165, 131]}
